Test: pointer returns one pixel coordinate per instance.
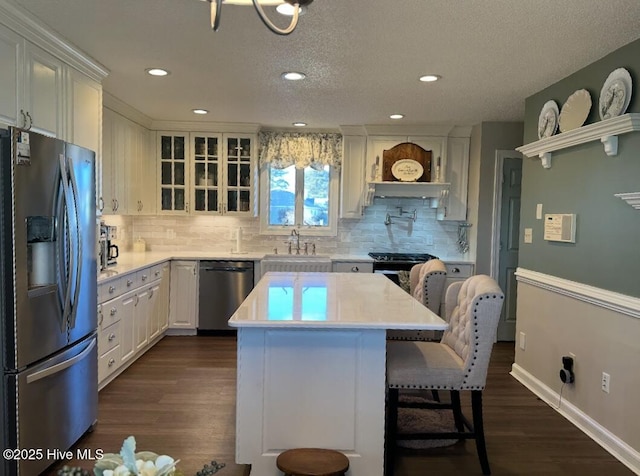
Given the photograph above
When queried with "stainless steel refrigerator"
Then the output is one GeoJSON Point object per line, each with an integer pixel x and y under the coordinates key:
{"type": "Point", "coordinates": [48, 297]}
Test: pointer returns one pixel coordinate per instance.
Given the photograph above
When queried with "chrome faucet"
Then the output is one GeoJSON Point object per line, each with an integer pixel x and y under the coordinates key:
{"type": "Point", "coordinates": [296, 233]}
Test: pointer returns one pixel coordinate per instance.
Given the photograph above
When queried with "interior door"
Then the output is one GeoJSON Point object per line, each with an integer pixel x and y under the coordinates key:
{"type": "Point", "coordinates": [509, 245]}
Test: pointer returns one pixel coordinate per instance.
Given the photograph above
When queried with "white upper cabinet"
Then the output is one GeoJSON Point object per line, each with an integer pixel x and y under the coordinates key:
{"type": "Point", "coordinates": [352, 183]}
{"type": "Point", "coordinates": [129, 169]}
{"type": "Point", "coordinates": [11, 59]}
{"type": "Point", "coordinates": [33, 92]}
{"type": "Point", "coordinates": [113, 164]}
{"type": "Point", "coordinates": [172, 173]}
{"type": "Point", "coordinates": [207, 173]}
{"type": "Point", "coordinates": [44, 94]}
{"type": "Point", "coordinates": [454, 206]}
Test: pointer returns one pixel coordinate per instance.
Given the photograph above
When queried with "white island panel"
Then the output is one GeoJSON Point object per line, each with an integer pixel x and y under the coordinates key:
{"type": "Point", "coordinates": [311, 365]}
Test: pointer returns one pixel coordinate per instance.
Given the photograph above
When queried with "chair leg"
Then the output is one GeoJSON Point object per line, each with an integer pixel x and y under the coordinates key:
{"type": "Point", "coordinates": [457, 410]}
{"type": "Point", "coordinates": [478, 426]}
{"type": "Point", "coordinates": [435, 395]}
{"type": "Point", "coordinates": [391, 432]}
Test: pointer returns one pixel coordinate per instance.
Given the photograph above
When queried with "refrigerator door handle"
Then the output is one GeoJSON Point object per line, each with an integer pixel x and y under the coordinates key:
{"type": "Point", "coordinates": [68, 200]}
{"type": "Point", "coordinates": [54, 369]}
{"type": "Point", "coordinates": [73, 186]}
{"type": "Point", "coordinates": [61, 252]}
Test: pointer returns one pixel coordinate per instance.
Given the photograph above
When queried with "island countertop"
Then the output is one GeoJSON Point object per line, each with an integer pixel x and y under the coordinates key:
{"type": "Point", "coordinates": [332, 300]}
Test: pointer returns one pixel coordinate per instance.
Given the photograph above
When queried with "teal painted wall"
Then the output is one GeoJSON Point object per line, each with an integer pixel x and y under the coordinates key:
{"type": "Point", "coordinates": [583, 180]}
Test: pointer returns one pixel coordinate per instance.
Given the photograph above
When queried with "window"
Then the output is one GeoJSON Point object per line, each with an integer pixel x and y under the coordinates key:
{"type": "Point", "coordinates": [305, 198]}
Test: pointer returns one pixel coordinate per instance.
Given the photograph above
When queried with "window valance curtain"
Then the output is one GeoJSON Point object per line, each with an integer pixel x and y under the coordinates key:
{"type": "Point", "coordinates": [315, 150]}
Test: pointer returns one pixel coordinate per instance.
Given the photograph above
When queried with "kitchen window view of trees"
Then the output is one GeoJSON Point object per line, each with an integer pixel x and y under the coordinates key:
{"type": "Point", "coordinates": [299, 196]}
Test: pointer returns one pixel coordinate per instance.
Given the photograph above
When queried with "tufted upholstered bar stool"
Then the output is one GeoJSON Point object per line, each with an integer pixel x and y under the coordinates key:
{"type": "Point", "coordinates": [312, 462]}
{"type": "Point", "coordinates": [426, 285]}
{"type": "Point", "coordinates": [459, 362]}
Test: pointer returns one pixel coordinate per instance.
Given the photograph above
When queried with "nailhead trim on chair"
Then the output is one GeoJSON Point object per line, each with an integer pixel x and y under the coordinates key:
{"type": "Point", "coordinates": [475, 350]}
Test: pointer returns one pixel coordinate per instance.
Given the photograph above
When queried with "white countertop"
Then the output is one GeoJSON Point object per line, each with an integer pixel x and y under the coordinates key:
{"type": "Point", "coordinates": [332, 300]}
{"type": "Point", "coordinates": [128, 262]}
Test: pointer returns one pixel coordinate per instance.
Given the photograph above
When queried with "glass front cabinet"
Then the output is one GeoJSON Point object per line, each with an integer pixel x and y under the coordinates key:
{"type": "Point", "coordinates": [208, 173]}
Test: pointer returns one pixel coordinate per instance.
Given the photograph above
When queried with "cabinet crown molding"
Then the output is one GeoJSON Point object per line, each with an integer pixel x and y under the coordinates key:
{"type": "Point", "coordinates": [411, 130]}
{"type": "Point", "coordinates": [22, 22]}
{"type": "Point", "coordinates": [192, 126]}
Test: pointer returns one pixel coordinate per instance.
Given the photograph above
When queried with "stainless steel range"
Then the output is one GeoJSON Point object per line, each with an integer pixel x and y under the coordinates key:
{"type": "Point", "coordinates": [391, 264]}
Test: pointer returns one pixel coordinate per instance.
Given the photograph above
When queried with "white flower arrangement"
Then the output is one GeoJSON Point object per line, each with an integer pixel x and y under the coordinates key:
{"type": "Point", "coordinates": [130, 463]}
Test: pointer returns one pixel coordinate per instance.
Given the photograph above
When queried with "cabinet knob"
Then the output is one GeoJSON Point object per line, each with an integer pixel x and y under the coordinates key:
{"type": "Point", "coordinates": [144, 277]}
{"type": "Point", "coordinates": [157, 273]}
{"type": "Point", "coordinates": [150, 293]}
{"type": "Point", "coordinates": [113, 311]}
{"type": "Point", "coordinates": [111, 336]}
{"type": "Point", "coordinates": [100, 316]}
{"type": "Point", "coordinates": [455, 270]}
{"type": "Point", "coordinates": [112, 289]}
{"type": "Point", "coordinates": [111, 362]}
{"type": "Point", "coordinates": [355, 269]}
{"type": "Point", "coordinates": [129, 283]}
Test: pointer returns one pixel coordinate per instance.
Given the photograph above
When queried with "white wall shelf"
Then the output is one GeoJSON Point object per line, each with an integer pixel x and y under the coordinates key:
{"type": "Point", "coordinates": [606, 131]}
{"type": "Point", "coordinates": [632, 198]}
{"type": "Point", "coordinates": [405, 190]}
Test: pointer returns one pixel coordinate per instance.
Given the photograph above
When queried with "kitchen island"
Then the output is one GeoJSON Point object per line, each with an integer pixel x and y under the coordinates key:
{"type": "Point", "coordinates": [311, 365]}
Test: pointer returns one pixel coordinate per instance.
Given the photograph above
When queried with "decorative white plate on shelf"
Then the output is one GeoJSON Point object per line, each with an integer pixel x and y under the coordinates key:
{"type": "Point", "coordinates": [407, 170]}
{"type": "Point", "coordinates": [548, 120]}
{"type": "Point", "coordinates": [615, 95]}
{"type": "Point", "coordinates": [575, 111]}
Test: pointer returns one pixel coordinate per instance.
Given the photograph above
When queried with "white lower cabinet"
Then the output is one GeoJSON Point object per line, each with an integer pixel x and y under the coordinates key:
{"type": "Point", "coordinates": [184, 296]}
{"type": "Point", "coordinates": [127, 341]}
{"type": "Point", "coordinates": [455, 272]}
{"type": "Point", "coordinates": [352, 267]}
{"type": "Point", "coordinates": [132, 319]}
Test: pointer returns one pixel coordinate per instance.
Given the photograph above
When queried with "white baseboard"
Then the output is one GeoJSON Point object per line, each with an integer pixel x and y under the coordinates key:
{"type": "Point", "coordinates": [610, 442]}
{"type": "Point", "coordinates": [181, 332]}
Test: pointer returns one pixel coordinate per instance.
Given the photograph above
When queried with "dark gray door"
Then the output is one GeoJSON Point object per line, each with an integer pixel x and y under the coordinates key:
{"type": "Point", "coordinates": [509, 240]}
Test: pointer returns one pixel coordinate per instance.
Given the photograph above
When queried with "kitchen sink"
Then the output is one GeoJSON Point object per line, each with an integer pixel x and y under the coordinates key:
{"type": "Point", "coordinates": [287, 257]}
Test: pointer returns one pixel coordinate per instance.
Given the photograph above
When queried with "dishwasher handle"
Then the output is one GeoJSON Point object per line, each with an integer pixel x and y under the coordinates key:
{"type": "Point", "coordinates": [227, 268]}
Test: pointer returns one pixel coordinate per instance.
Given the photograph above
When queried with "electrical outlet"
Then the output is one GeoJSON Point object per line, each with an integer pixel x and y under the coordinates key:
{"type": "Point", "coordinates": [429, 240]}
{"type": "Point", "coordinates": [523, 340]}
{"type": "Point", "coordinates": [606, 381]}
{"type": "Point", "coordinates": [528, 235]}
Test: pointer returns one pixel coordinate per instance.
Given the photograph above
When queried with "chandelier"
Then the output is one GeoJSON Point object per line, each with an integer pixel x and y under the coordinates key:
{"type": "Point", "coordinates": [216, 7]}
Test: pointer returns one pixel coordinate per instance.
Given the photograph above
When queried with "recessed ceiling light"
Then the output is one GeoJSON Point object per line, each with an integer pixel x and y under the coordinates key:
{"type": "Point", "coordinates": [157, 71]}
{"type": "Point", "coordinates": [429, 78]}
{"type": "Point", "coordinates": [200, 111]}
{"type": "Point", "coordinates": [287, 9]}
{"type": "Point", "coordinates": [396, 116]}
{"type": "Point", "coordinates": [293, 76]}
{"type": "Point", "coordinates": [299, 124]}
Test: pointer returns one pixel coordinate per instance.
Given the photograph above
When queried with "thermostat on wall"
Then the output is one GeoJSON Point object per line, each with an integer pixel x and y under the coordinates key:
{"type": "Point", "coordinates": [560, 227]}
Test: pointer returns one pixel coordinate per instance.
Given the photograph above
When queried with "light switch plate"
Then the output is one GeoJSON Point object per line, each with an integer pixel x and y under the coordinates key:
{"type": "Point", "coordinates": [539, 211]}
{"type": "Point", "coordinates": [528, 235]}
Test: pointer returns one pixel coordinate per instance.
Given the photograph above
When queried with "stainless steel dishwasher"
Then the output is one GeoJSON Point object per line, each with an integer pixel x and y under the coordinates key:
{"type": "Point", "coordinates": [223, 286]}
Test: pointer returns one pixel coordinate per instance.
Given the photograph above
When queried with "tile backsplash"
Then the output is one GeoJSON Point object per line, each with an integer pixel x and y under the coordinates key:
{"type": "Point", "coordinates": [355, 236]}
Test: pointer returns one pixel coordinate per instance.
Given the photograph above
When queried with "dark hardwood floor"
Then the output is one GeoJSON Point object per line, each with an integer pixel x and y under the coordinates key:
{"type": "Point", "coordinates": [179, 399]}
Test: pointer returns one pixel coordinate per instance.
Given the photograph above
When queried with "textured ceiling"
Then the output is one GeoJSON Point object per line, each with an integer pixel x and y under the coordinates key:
{"type": "Point", "coordinates": [362, 57]}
